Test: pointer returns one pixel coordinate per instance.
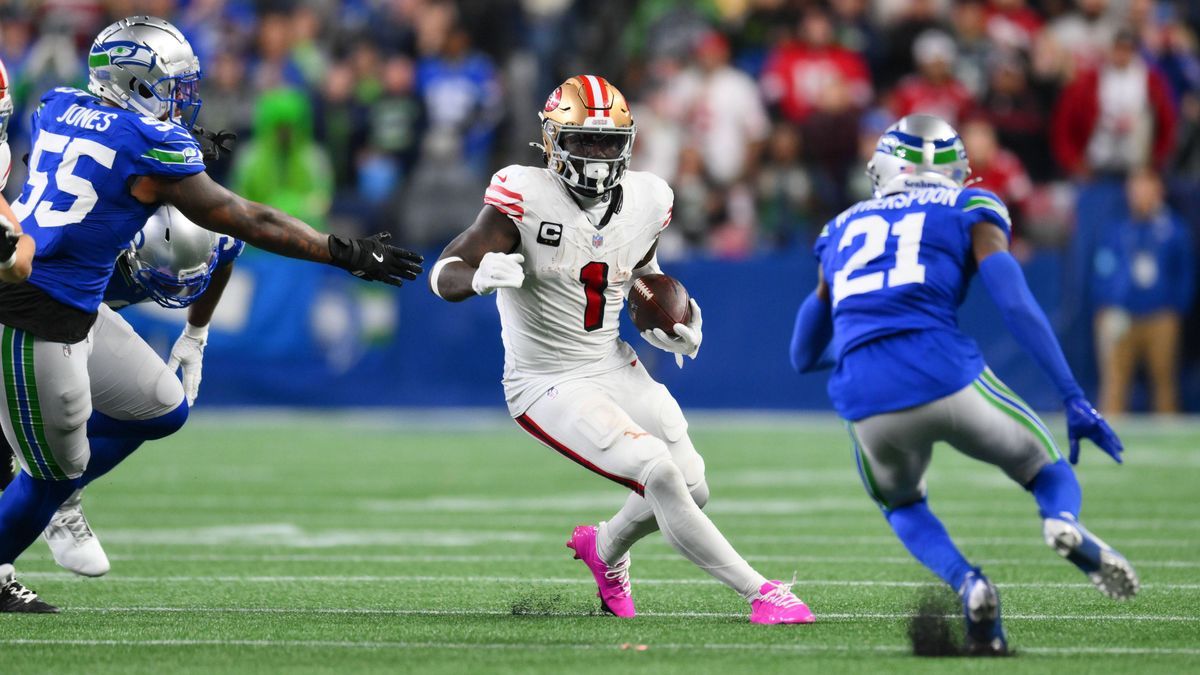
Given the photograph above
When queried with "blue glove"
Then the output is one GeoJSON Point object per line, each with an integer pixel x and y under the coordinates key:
{"type": "Point", "coordinates": [1083, 421]}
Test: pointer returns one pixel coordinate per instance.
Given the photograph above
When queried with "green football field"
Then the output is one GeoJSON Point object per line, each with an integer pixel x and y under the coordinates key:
{"type": "Point", "coordinates": [409, 543]}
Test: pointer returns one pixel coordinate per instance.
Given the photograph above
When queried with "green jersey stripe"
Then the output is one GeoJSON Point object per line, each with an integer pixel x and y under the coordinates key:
{"type": "Point", "coordinates": [166, 156]}
{"type": "Point", "coordinates": [1033, 424]}
{"type": "Point", "coordinates": [13, 396]}
{"type": "Point", "coordinates": [35, 411]}
{"type": "Point", "coordinates": [865, 467]}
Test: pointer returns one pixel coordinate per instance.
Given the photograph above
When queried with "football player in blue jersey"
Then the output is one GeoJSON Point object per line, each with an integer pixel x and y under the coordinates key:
{"type": "Point", "coordinates": [77, 400]}
{"type": "Point", "coordinates": [893, 271]}
{"type": "Point", "coordinates": [176, 264]}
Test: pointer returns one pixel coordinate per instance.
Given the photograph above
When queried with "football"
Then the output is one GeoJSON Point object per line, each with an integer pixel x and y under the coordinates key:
{"type": "Point", "coordinates": [659, 301]}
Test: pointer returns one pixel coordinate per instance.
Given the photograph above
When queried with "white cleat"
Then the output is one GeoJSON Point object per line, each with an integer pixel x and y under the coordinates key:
{"type": "Point", "coordinates": [1107, 569]}
{"type": "Point", "coordinates": [74, 545]}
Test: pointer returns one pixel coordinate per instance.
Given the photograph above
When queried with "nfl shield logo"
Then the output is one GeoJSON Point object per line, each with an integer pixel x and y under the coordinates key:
{"type": "Point", "coordinates": [597, 240]}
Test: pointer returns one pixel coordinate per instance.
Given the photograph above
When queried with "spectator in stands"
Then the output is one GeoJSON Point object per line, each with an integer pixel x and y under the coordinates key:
{"type": "Point", "coordinates": [1082, 36]}
{"type": "Point", "coordinates": [1144, 279]}
{"type": "Point", "coordinates": [341, 126]}
{"type": "Point", "coordinates": [915, 18]}
{"type": "Point", "coordinates": [274, 66]}
{"type": "Point", "coordinates": [933, 89]}
{"type": "Point", "coordinates": [282, 166]}
{"type": "Point", "coordinates": [797, 72]}
{"type": "Point", "coordinates": [784, 188]}
{"type": "Point", "coordinates": [1012, 24]}
{"type": "Point", "coordinates": [1018, 114]}
{"type": "Point", "coordinates": [722, 112]}
{"type": "Point", "coordinates": [1115, 118]}
{"type": "Point", "coordinates": [974, 46]}
{"type": "Point", "coordinates": [461, 92]}
{"type": "Point", "coordinates": [995, 168]}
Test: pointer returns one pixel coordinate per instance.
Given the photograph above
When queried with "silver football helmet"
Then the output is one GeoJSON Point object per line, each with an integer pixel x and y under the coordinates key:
{"type": "Point", "coordinates": [144, 64]}
{"type": "Point", "coordinates": [918, 151]}
{"type": "Point", "coordinates": [171, 258]}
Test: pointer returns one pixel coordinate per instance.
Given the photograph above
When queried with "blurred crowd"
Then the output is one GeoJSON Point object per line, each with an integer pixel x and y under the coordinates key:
{"type": "Point", "coordinates": [363, 115]}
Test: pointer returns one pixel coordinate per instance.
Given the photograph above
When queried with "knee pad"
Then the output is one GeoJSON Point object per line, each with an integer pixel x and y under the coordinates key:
{"type": "Point", "coordinates": [166, 390]}
{"type": "Point", "coordinates": [76, 407]}
{"type": "Point", "coordinates": [663, 477]}
{"type": "Point", "coordinates": [670, 417]}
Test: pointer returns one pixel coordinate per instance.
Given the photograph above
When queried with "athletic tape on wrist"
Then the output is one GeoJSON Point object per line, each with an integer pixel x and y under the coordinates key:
{"type": "Point", "coordinates": [437, 271]}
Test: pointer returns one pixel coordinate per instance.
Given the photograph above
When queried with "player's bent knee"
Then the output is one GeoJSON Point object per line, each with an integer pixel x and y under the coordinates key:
{"type": "Point", "coordinates": [76, 408]}
{"type": "Point", "coordinates": [165, 425]}
{"type": "Point", "coordinates": [663, 477]}
{"type": "Point", "coordinates": [168, 390]}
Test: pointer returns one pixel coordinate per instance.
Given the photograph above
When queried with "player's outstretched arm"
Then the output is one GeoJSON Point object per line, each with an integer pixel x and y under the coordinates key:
{"type": "Point", "coordinates": [1005, 282]}
{"type": "Point", "coordinates": [215, 208]}
{"type": "Point", "coordinates": [479, 260]}
{"type": "Point", "coordinates": [813, 330]}
{"type": "Point", "coordinates": [16, 249]}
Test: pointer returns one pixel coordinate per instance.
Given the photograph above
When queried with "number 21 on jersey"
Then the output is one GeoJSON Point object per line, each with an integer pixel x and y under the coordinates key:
{"type": "Point", "coordinates": [875, 230]}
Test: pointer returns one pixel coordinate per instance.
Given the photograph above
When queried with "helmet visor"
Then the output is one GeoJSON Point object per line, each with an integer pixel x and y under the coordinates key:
{"type": "Point", "coordinates": [594, 145]}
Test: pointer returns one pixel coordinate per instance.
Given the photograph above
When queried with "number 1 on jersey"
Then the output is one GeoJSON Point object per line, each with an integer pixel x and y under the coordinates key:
{"type": "Point", "coordinates": [908, 268]}
{"type": "Point", "coordinates": [594, 276]}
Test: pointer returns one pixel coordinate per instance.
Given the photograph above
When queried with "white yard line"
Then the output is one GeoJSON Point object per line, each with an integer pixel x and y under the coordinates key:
{"type": "Point", "coordinates": [541, 646]}
{"type": "Point", "coordinates": [822, 616]}
{"type": "Point", "coordinates": [669, 557]}
{"type": "Point", "coordinates": [421, 578]}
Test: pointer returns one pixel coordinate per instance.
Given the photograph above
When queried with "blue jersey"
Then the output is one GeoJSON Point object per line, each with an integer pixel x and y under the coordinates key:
{"type": "Point", "coordinates": [123, 291]}
{"type": "Point", "coordinates": [898, 267]}
{"type": "Point", "coordinates": [76, 203]}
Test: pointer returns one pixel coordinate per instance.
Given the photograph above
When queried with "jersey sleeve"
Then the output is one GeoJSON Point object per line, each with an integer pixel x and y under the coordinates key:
{"type": "Point", "coordinates": [821, 243]}
{"type": "Point", "coordinates": [164, 149]}
{"type": "Point", "coordinates": [228, 250]}
{"type": "Point", "coordinates": [663, 201]}
{"type": "Point", "coordinates": [981, 205]}
{"type": "Point", "coordinates": [504, 191]}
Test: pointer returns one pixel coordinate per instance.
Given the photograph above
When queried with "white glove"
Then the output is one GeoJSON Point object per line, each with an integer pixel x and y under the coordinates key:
{"type": "Point", "coordinates": [188, 352]}
{"type": "Point", "coordinates": [498, 270]}
{"type": "Point", "coordinates": [687, 340]}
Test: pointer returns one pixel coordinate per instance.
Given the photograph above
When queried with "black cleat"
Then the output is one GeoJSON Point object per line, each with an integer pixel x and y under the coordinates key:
{"type": "Point", "coordinates": [14, 597]}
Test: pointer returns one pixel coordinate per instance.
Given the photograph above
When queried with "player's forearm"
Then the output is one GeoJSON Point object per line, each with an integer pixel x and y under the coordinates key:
{"type": "Point", "coordinates": [23, 262]}
{"type": "Point", "coordinates": [811, 334]}
{"type": "Point", "coordinates": [273, 231]}
{"type": "Point", "coordinates": [451, 279]}
{"type": "Point", "coordinates": [201, 312]}
{"type": "Point", "coordinates": [1005, 282]}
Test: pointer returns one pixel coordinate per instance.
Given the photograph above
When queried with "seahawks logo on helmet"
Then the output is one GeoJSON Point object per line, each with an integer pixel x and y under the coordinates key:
{"type": "Point", "coordinates": [124, 54]}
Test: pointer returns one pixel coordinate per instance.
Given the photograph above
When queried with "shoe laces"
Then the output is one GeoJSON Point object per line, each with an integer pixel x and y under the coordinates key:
{"type": "Point", "coordinates": [18, 591]}
{"type": "Point", "coordinates": [782, 596]}
{"type": "Point", "coordinates": [620, 573]}
{"type": "Point", "coordinates": [76, 524]}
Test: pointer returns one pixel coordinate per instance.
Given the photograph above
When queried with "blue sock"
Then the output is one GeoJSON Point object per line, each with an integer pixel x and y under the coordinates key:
{"type": "Point", "coordinates": [925, 537]}
{"type": "Point", "coordinates": [1056, 490]}
{"type": "Point", "coordinates": [26, 507]}
{"type": "Point", "coordinates": [113, 440]}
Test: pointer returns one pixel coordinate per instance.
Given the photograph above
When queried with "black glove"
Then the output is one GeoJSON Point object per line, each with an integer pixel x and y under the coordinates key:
{"type": "Point", "coordinates": [214, 144]}
{"type": "Point", "coordinates": [8, 243]}
{"type": "Point", "coordinates": [374, 259]}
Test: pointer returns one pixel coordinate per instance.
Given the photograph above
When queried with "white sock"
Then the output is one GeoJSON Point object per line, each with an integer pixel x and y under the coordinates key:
{"type": "Point", "coordinates": [633, 522]}
{"type": "Point", "coordinates": [690, 532]}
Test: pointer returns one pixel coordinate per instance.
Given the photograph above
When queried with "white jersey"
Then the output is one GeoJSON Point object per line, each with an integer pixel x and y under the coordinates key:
{"type": "Point", "coordinates": [562, 323]}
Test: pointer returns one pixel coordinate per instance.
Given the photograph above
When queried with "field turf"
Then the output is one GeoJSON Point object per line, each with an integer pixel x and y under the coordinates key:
{"type": "Point", "coordinates": [405, 543]}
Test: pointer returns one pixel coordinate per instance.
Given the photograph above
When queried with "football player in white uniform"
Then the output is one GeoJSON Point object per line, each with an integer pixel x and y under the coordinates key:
{"type": "Point", "coordinates": [561, 246]}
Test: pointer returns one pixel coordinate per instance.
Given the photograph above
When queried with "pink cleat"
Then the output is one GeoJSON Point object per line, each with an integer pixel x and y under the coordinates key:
{"type": "Point", "coordinates": [777, 604]}
{"type": "Point", "coordinates": [614, 594]}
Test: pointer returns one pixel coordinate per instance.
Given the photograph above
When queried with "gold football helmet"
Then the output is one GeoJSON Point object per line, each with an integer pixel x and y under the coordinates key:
{"type": "Point", "coordinates": [587, 134]}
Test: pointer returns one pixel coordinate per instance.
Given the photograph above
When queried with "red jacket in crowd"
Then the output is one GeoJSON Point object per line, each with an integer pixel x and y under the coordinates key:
{"type": "Point", "coordinates": [796, 76]}
{"type": "Point", "coordinates": [1078, 109]}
